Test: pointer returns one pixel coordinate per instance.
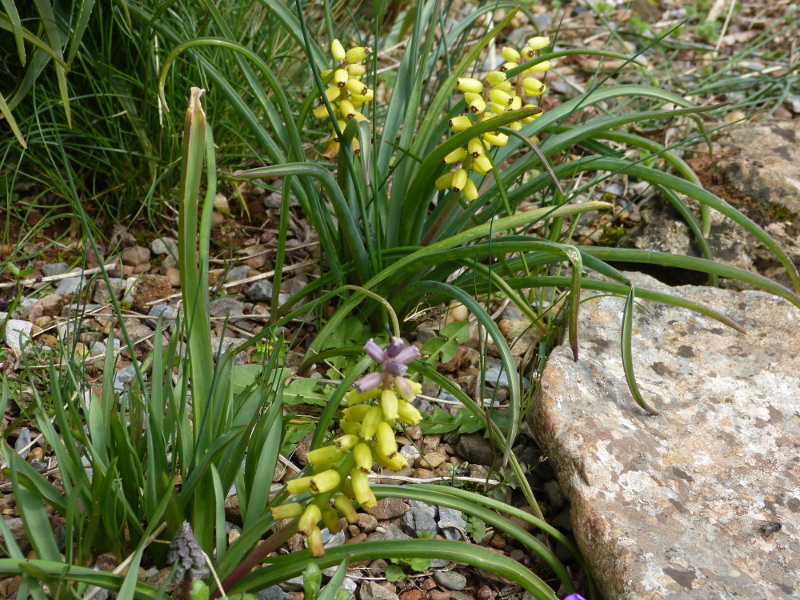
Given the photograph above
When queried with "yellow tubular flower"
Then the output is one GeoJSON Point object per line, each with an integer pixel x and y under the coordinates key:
{"type": "Point", "coordinates": [331, 150]}
{"type": "Point", "coordinates": [287, 511]}
{"type": "Point", "coordinates": [362, 456]}
{"type": "Point", "coordinates": [357, 412]}
{"type": "Point", "coordinates": [478, 105]}
{"type": "Point", "coordinates": [516, 103]}
{"type": "Point", "coordinates": [460, 122]}
{"type": "Point", "coordinates": [510, 54]}
{"type": "Point", "coordinates": [356, 146]}
{"type": "Point", "coordinates": [299, 485]}
{"type": "Point", "coordinates": [533, 87]}
{"type": "Point", "coordinates": [389, 404]}
{"type": "Point", "coordinates": [496, 138]}
{"type": "Point", "coordinates": [540, 68]}
{"type": "Point", "coordinates": [314, 541]}
{"type": "Point", "coordinates": [346, 442]}
{"type": "Point", "coordinates": [483, 163]}
{"type": "Point", "coordinates": [387, 444]}
{"type": "Point", "coordinates": [370, 423]}
{"type": "Point", "coordinates": [356, 87]}
{"type": "Point", "coordinates": [538, 42]}
{"type": "Point", "coordinates": [337, 50]}
{"type": "Point", "coordinates": [309, 519]}
{"type": "Point", "coordinates": [325, 482]}
{"type": "Point", "coordinates": [408, 414]}
{"type": "Point", "coordinates": [322, 111]}
{"type": "Point", "coordinates": [331, 520]}
{"type": "Point", "coordinates": [475, 147]}
{"type": "Point", "coordinates": [459, 179]}
{"type": "Point", "coordinates": [528, 52]}
{"type": "Point", "coordinates": [345, 507]}
{"type": "Point", "coordinates": [395, 463]}
{"type": "Point", "coordinates": [504, 86]}
{"type": "Point", "coordinates": [361, 490]}
{"type": "Point", "coordinates": [350, 427]}
{"type": "Point", "coordinates": [357, 54]}
{"type": "Point", "coordinates": [443, 182]}
{"type": "Point", "coordinates": [325, 73]}
{"type": "Point", "coordinates": [495, 77]}
{"type": "Point", "coordinates": [508, 66]}
{"type": "Point", "coordinates": [326, 454]}
{"type": "Point", "coordinates": [341, 77]}
{"type": "Point", "coordinates": [468, 84]}
{"type": "Point", "coordinates": [497, 109]}
{"type": "Point", "coordinates": [527, 120]}
{"type": "Point", "coordinates": [516, 125]}
{"type": "Point", "coordinates": [333, 93]}
{"type": "Point", "coordinates": [356, 70]}
{"type": "Point", "coordinates": [360, 117]}
{"type": "Point", "coordinates": [498, 97]}
{"type": "Point", "coordinates": [347, 109]}
{"type": "Point", "coordinates": [455, 156]}
{"type": "Point", "coordinates": [367, 96]}
{"type": "Point", "coordinates": [470, 191]}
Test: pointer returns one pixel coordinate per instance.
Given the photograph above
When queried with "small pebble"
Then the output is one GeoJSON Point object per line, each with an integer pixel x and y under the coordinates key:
{"type": "Point", "coordinates": [452, 580]}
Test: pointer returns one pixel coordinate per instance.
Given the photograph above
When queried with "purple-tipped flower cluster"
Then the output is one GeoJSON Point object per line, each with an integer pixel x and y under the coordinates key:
{"type": "Point", "coordinates": [574, 597]}
{"type": "Point", "coordinates": [393, 360]}
{"type": "Point", "coordinates": [187, 556]}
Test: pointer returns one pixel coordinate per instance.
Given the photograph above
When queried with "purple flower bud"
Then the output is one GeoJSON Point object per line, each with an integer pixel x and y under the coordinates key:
{"type": "Point", "coordinates": [395, 347]}
{"type": "Point", "coordinates": [407, 355]}
{"type": "Point", "coordinates": [574, 597]}
{"type": "Point", "coordinates": [403, 388]}
{"type": "Point", "coordinates": [394, 368]}
{"type": "Point", "coordinates": [374, 351]}
{"type": "Point", "coordinates": [368, 382]}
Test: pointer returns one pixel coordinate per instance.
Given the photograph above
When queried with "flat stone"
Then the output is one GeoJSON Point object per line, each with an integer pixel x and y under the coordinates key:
{"type": "Point", "coordinates": [102, 295]}
{"type": "Point", "coordinates": [388, 508]}
{"type": "Point", "coordinates": [164, 245]}
{"type": "Point", "coordinates": [371, 590]}
{"type": "Point", "coordinates": [420, 519]}
{"type": "Point", "coordinates": [23, 443]}
{"type": "Point", "coordinates": [149, 288]}
{"type": "Point", "coordinates": [452, 524]}
{"type": "Point", "coordinates": [475, 449]}
{"type": "Point", "coordinates": [17, 334]}
{"type": "Point", "coordinates": [136, 255]}
{"type": "Point", "coordinates": [167, 313]}
{"type": "Point", "coordinates": [68, 286]}
{"type": "Point", "coordinates": [46, 306]}
{"type": "Point", "coordinates": [54, 269]}
{"type": "Point", "coordinates": [237, 273]}
{"type": "Point", "coordinates": [452, 580]}
{"type": "Point", "coordinates": [260, 291]}
{"type": "Point", "coordinates": [273, 592]}
{"type": "Point", "coordinates": [670, 506]}
{"type": "Point", "coordinates": [225, 307]}
{"type": "Point", "coordinates": [366, 522]}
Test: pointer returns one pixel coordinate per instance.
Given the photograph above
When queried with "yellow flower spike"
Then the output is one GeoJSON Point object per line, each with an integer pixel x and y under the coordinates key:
{"type": "Point", "coordinates": [478, 105]}
{"type": "Point", "coordinates": [460, 122]}
{"type": "Point", "coordinates": [389, 403]}
{"type": "Point", "coordinates": [337, 50]}
{"type": "Point", "coordinates": [455, 156]}
{"type": "Point", "coordinates": [341, 77]}
{"type": "Point", "coordinates": [510, 54]}
{"type": "Point", "coordinates": [540, 68]}
{"type": "Point", "coordinates": [309, 519]}
{"type": "Point", "coordinates": [468, 84]}
{"type": "Point", "coordinates": [495, 77]}
{"type": "Point", "coordinates": [325, 482]}
{"type": "Point", "coordinates": [299, 485]}
{"type": "Point", "coordinates": [326, 454]}
{"type": "Point", "coordinates": [498, 97]}
{"type": "Point", "coordinates": [508, 66]}
{"type": "Point", "coordinates": [347, 110]}
{"type": "Point", "coordinates": [408, 413]}
{"type": "Point", "coordinates": [483, 163]}
{"type": "Point", "coordinates": [356, 70]}
{"type": "Point", "coordinates": [496, 138]}
{"type": "Point", "coordinates": [370, 423]}
{"type": "Point", "coordinates": [322, 111]}
{"type": "Point", "coordinates": [504, 86]}
{"type": "Point", "coordinates": [346, 442]}
{"type": "Point", "coordinates": [350, 427]}
{"type": "Point", "coordinates": [345, 507]}
{"type": "Point", "coordinates": [331, 150]}
{"type": "Point", "coordinates": [361, 489]}
{"type": "Point", "coordinates": [356, 87]}
{"type": "Point", "coordinates": [443, 182]}
{"type": "Point", "coordinates": [287, 511]}
{"type": "Point", "coordinates": [357, 54]}
{"type": "Point", "coordinates": [459, 179]}
{"type": "Point", "coordinates": [387, 444]}
{"type": "Point", "coordinates": [331, 520]}
{"type": "Point", "coordinates": [475, 147]}
{"type": "Point", "coordinates": [470, 191]}
{"type": "Point", "coordinates": [516, 103]}
{"type": "Point", "coordinates": [539, 42]}
{"type": "Point", "coordinates": [356, 413]}
{"type": "Point", "coordinates": [362, 455]}
{"type": "Point", "coordinates": [533, 87]}
{"type": "Point", "coordinates": [314, 541]}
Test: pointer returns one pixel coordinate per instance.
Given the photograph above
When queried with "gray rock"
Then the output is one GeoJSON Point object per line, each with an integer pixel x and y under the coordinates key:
{"type": "Point", "coordinates": [54, 269]}
{"type": "Point", "coordinates": [393, 532]}
{"type": "Point", "coordinates": [23, 444]}
{"type": "Point", "coordinates": [475, 449]}
{"type": "Point", "coordinates": [260, 291]}
{"type": "Point", "coordinates": [74, 311]}
{"type": "Point", "coordinates": [17, 334]}
{"type": "Point", "coordinates": [456, 595]}
{"type": "Point", "coordinates": [420, 518]}
{"type": "Point", "coordinates": [123, 377]}
{"type": "Point", "coordinates": [272, 593]}
{"type": "Point", "coordinates": [554, 494]}
{"type": "Point", "coordinates": [102, 295]}
{"type": "Point", "coordinates": [452, 524]}
{"type": "Point", "coordinates": [98, 348]}
{"type": "Point", "coordinates": [135, 255]}
{"type": "Point", "coordinates": [46, 305]}
{"type": "Point", "coordinates": [388, 508]}
{"type": "Point", "coordinates": [164, 245]}
{"type": "Point", "coordinates": [237, 273]}
{"type": "Point", "coordinates": [167, 313]}
{"type": "Point", "coordinates": [136, 330]}
{"type": "Point", "coordinates": [498, 377]}
{"type": "Point", "coordinates": [366, 522]}
{"type": "Point", "coordinates": [23, 309]}
{"type": "Point", "coordinates": [371, 590]}
{"type": "Point", "coordinates": [451, 580]}
{"type": "Point", "coordinates": [669, 506]}
{"type": "Point", "coordinates": [68, 286]}
{"type": "Point", "coordinates": [225, 307]}
{"type": "Point", "coordinates": [410, 453]}
{"type": "Point", "coordinates": [295, 584]}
